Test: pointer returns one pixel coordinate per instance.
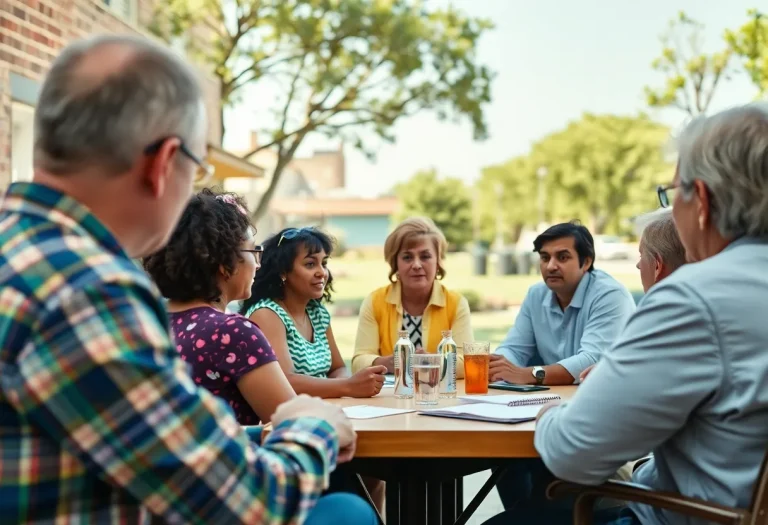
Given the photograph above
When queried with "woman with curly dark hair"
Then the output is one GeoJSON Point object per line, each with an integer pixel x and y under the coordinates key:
{"type": "Point", "coordinates": [287, 302]}
{"type": "Point", "coordinates": [211, 260]}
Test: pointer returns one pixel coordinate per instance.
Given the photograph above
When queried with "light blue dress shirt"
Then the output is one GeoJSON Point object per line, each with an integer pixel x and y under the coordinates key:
{"type": "Point", "coordinates": [576, 337]}
{"type": "Point", "coordinates": [687, 379]}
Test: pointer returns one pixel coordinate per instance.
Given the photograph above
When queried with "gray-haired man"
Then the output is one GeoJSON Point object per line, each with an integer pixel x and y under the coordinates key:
{"type": "Point", "coordinates": [661, 253]}
{"type": "Point", "coordinates": [101, 422]}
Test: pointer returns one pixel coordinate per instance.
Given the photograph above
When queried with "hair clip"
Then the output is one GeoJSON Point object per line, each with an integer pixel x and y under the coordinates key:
{"type": "Point", "coordinates": [230, 199]}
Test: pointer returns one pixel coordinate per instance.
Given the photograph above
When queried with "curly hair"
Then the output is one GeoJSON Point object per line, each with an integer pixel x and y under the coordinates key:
{"type": "Point", "coordinates": [207, 237]}
{"type": "Point", "coordinates": [279, 258]}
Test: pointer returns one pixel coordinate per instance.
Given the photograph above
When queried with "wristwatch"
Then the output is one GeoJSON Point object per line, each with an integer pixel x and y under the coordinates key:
{"type": "Point", "coordinates": [539, 373]}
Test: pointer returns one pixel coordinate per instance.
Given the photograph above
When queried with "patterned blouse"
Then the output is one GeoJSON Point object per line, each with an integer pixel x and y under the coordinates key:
{"type": "Point", "coordinates": [309, 358]}
{"type": "Point", "coordinates": [412, 323]}
{"type": "Point", "coordinates": [221, 348]}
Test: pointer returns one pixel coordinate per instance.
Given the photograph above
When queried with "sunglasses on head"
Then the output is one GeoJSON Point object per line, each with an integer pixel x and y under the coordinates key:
{"type": "Point", "coordinates": [292, 233]}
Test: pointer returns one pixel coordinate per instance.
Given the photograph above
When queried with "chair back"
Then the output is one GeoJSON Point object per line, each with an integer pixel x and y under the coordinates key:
{"type": "Point", "coordinates": [759, 508]}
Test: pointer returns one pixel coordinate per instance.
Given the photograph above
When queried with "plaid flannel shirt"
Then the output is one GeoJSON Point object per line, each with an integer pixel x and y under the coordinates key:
{"type": "Point", "coordinates": [99, 419]}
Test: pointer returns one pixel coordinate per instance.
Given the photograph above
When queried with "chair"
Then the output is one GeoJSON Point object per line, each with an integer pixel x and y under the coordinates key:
{"type": "Point", "coordinates": [585, 496]}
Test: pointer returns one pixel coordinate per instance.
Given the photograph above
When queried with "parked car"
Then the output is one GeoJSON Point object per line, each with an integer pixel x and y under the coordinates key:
{"type": "Point", "coordinates": [612, 248]}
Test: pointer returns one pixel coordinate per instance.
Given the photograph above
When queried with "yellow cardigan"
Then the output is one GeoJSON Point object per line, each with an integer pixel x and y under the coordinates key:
{"type": "Point", "coordinates": [381, 317]}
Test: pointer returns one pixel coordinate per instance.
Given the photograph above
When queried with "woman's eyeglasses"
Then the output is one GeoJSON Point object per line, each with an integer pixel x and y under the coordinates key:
{"type": "Point", "coordinates": [257, 252]}
{"type": "Point", "coordinates": [292, 233]}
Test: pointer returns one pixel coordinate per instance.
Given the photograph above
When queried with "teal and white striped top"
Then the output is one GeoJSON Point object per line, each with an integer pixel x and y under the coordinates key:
{"type": "Point", "coordinates": [309, 358]}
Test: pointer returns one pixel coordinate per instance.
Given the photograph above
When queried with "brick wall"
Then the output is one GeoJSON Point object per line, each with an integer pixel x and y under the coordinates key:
{"type": "Point", "coordinates": [32, 32]}
{"type": "Point", "coordinates": [5, 125]}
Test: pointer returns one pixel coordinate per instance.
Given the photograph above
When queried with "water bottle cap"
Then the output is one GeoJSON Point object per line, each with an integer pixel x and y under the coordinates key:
{"type": "Point", "coordinates": [446, 333]}
{"type": "Point", "coordinates": [402, 334]}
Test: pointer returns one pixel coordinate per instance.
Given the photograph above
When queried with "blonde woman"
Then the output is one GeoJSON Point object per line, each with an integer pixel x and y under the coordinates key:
{"type": "Point", "coordinates": [415, 300]}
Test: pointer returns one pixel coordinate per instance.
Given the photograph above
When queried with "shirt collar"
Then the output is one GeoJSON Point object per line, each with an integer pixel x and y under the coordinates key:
{"type": "Point", "coordinates": [550, 299]}
{"type": "Point", "coordinates": [437, 298]}
{"type": "Point", "coordinates": [28, 198]}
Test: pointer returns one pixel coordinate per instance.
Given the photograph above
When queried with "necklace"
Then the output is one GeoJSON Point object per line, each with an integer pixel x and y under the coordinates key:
{"type": "Point", "coordinates": [305, 325]}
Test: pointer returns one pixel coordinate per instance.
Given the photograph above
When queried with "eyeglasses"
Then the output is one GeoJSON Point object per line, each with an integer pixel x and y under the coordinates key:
{"type": "Point", "coordinates": [204, 171]}
{"type": "Point", "coordinates": [292, 233]}
{"type": "Point", "coordinates": [664, 199]}
{"type": "Point", "coordinates": [257, 252]}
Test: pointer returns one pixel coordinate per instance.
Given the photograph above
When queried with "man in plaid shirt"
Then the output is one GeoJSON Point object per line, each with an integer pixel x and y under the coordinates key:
{"type": "Point", "coordinates": [99, 420]}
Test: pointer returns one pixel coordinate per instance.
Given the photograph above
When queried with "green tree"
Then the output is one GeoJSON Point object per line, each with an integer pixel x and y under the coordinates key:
{"type": "Point", "coordinates": [344, 68]}
{"type": "Point", "coordinates": [691, 76]}
{"type": "Point", "coordinates": [446, 201]}
{"type": "Point", "coordinates": [750, 44]}
{"type": "Point", "coordinates": [506, 199]}
{"type": "Point", "coordinates": [603, 169]}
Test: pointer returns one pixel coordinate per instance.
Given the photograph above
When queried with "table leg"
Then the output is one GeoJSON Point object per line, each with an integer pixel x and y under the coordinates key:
{"type": "Point", "coordinates": [393, 503]}
{"type": "Point", "coordinates": [434, 503]}
{"type": "Point", "coordinates": [450, 499]}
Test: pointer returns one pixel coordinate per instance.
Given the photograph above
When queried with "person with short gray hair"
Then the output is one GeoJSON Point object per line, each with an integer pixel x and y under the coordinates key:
{"type": "Point", "coordinates": [661, 251]}
{"type": "Point", "coordinates": [686, 378]}
{"type": "Point", "coordinates": [102, 422]}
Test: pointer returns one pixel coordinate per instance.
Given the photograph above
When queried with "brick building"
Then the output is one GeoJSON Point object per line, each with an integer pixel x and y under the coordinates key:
{"type": "Point", "coordinates": [31, 34]}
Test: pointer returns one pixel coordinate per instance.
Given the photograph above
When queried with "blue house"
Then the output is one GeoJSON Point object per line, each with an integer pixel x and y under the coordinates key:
{"type": "Point", "coordinates": [359, 222]}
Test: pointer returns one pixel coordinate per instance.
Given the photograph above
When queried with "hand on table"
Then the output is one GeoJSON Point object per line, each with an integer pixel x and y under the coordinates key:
{"type": "Point", "coordinates": [388, 361]}
{"type": "Point", "coordinates": [368, 382]}
{"type": "Point", "coordinates": [546, 407]}
{"type": "Point", "coordinates": [585, 373]}
{"type": "Point", "coordinates": [499, 369]}
{"type": "Point", "coordinates": [306, 406]}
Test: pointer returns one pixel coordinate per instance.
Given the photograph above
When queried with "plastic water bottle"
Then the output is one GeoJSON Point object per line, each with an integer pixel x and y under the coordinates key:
{"type": "Point", "coordinates": [447, 348]}
{"type": "Point", "coordinates": [403, 374]}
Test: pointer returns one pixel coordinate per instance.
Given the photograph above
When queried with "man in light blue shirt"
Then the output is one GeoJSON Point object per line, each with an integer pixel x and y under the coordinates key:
{"type": "Point", "coordinates": [566, 322]}
{"type": "Point", "coordinates": [564, 325]}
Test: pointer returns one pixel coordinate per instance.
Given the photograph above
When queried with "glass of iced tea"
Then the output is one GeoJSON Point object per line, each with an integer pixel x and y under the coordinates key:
{"type": "Point", "coordinates": [476, 358]}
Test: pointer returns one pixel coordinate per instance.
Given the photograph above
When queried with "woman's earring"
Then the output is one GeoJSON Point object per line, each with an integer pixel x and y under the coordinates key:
{"type": "Point", "coordinates": [282, 281]}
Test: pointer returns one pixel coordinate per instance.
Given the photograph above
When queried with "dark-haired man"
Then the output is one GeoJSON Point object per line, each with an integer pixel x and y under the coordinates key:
{"type": "Point", "coordinates": [567, 321]}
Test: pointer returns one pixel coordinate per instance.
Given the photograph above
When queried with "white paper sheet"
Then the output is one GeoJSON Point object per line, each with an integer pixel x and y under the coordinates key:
{"type": "Point", "coordinates": [370, 412]}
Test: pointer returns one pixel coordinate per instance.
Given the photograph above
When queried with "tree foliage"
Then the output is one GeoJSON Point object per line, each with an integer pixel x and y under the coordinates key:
{"type": "Point", "coordinates": [506, 199]}
{"type": "Point", "coordinates": [750, 44]}
{"type": "Point", "coordinates": [604, 168]}
{"type": "Point", "coordinates": [347, 69]}
{"type": "Point", "coordinates": [601, 169]}
{"type": "Point", "coordinates": [691, 76]}
{"type": "Point", "coordinates": [446, 201]}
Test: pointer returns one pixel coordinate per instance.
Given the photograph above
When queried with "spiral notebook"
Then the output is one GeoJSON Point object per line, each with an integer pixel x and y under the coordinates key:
{"type": "Point", "coordinates": [512, 400]}
{"type": "Point", "coordinates": [488, 412]}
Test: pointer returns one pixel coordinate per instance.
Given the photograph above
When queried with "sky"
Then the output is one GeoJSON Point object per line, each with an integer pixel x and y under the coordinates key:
{"type": "Point", "coordinates": [554, 61]}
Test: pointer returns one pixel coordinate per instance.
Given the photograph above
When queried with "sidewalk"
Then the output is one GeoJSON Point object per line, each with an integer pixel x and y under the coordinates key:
{"type": "Point", "coordinates": [490, 506]}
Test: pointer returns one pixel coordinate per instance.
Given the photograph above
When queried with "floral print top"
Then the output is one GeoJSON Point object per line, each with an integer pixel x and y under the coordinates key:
{"type": "Point", "coordinates": [221, 348]}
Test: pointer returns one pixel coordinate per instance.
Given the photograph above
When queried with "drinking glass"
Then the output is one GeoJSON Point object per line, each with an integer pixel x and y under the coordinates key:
{"type": "Point", "coordinates": [426, 378]}
{"type": "Point", "coordinates": [476, 358]}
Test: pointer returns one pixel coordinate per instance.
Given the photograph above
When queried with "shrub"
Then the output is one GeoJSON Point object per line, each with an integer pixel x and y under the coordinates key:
{"type": "Point", "coordinates": [347, 307]}
{"type": "Point", "coordinates": [474, 300]}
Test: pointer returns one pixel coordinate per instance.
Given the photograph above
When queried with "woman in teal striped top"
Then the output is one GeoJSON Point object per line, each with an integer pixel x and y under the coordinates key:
{"type": "Point", "coordinates": [287, 304]}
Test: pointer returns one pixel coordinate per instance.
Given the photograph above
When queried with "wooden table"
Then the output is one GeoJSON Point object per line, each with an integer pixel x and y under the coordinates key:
{"type": "Point", "coordinates": [423, 459]}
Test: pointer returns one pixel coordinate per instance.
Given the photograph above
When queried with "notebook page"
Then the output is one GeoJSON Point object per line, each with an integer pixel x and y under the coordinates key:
{"type": "Point", "coordinates": [487, 412]}
{"type": "Point", "coordinates": [512, 399]}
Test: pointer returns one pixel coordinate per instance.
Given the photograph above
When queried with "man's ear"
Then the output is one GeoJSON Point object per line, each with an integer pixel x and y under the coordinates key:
{"type": "Point", "coordinates": [704, 208]}
{"type": "Point", "coordinates": [658, 268]}
{"type": "Point", "coordinates": [158, 166]}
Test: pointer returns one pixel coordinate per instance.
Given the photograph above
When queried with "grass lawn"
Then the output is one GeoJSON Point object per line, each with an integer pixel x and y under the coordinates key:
{"type": "Point", "coordinates": [356, 278]}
